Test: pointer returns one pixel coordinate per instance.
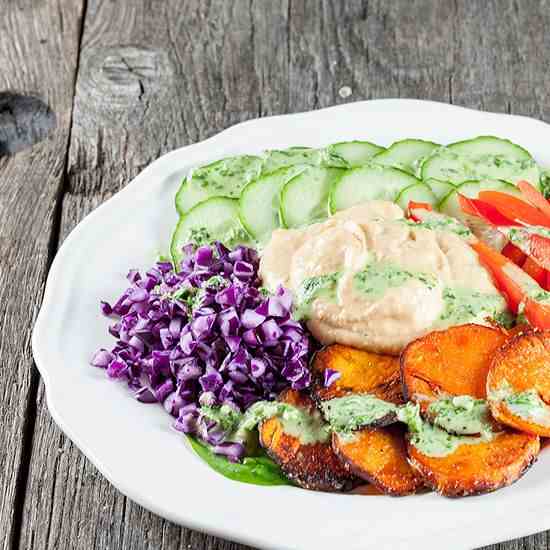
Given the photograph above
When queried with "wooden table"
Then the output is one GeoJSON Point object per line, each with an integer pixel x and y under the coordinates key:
{"type": "Point", "coordinates": [128, 81]}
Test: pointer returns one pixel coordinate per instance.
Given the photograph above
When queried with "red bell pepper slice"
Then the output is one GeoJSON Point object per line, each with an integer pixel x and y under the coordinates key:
{"type": "Point", "coordinates": [539, 247]}
{"type": "Point", "coordinates": [515, 285]}
{"type": "Point", "coordinates": [502, 269]}
{"type": "Point", "coordinates": [414, 205]}
{"type": "Point", "coordinates": [537, 314]}
{"type": "Point", "coordinates": [534, 270]}
{"type": "Point", "coordinates": [512, 252]}
{"type": "Point", "coordinates": [535, 197]}
{"type": "Point", "coordinates": [514, 208]}
{"type": "Point", "coordinates": [484, 210]}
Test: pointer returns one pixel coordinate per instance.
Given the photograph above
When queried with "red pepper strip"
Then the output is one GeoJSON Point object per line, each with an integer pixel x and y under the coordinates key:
{"type": "Point", "coordinates": [539, 248]}
{"type": "Point", "coordinates": [512, 252]}
{"type": "Point", "coordinates": [495, 263]}
{"type": "Point", "coordinates": [533, 269]}
{"type": "Point", "coordinates": [537, 314]}
{"type": "Point", "coordinates": [484, 210]}
{"type": "Point", "coordinates": [535, 197]}
{"type": "Point", "coordinates": [413, 205]}
{"type": "Point", "coordinates": [514, 208]}
{"type": "Point", "coordinates": [546, 286]}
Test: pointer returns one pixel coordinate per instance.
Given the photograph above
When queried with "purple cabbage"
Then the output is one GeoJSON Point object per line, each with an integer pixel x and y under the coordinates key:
{"type": "Point", "coordinates": [330, 377]}
{"type": "Point", "coordinates": [207, 334]}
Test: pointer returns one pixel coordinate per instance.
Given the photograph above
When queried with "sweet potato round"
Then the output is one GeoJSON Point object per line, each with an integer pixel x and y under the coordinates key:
{"type": "Point", "coordinates": [524, 363]}
{"type": "Point", "coordinates": [360, 372]}
{"type": "Point", "coordinates": [313, 466]}
{"type": "Point", "coordinates": [480, 468]}
{"type": "Point", "coordinates": [454, 361]}
{"type": "Point", "coordinates": [379, 456]}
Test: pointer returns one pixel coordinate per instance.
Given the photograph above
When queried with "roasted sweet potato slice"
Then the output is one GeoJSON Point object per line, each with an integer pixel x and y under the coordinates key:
{"type": "Point", "coordinates": [479, 468]}
{"type": "Point", "coordinates": [517, 330]}
{"type": "Point", "coordinates": [360, 372]}
{"type": "Point", "coordinates": [311, 466]}
{"type": "Point", "coordinates": [518, 384]}
{"type": "Point", "coordinates": [454, 361]}
{"type": "Point", "coordinates": [379, 455]}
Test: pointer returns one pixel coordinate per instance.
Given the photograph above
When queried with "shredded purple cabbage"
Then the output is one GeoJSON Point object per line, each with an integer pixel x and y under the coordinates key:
{"type": "Point", "coordinates": [207, 335]}
{"type": "Point", "coordinates": [330, 377]}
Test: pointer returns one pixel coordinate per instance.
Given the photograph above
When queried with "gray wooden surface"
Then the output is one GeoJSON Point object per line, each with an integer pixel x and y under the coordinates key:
{"type": "Point", "coordinates": [130, 80]}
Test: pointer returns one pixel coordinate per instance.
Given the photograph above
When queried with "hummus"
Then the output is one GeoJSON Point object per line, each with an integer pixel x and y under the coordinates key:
{"type": "Point", "coordinates": [369, 278]}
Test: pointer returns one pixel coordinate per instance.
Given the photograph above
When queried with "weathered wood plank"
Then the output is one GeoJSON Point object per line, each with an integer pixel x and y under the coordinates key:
{"type": "Point", "coordinates": [38, 56]}
{"type": "Point", "coordinates": [191, 74]}
{"type": "Point", "coordinates": [202, 65]}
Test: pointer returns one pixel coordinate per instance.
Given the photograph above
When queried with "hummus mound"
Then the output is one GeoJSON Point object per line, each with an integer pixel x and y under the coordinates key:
{"type": "Point", "coordinates": [388, 276]}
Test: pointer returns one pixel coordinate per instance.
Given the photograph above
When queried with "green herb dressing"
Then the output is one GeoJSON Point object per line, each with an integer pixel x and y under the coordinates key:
{"type": "Point", "coordinates": [439, 222]}
{"type": "Point", "coordinates": [311, 289]}
{"type": "Point", "coordinates": [485, 167]}
{"type": "Point", "coordinates": [461, 415]}
{"type": "Point", "coordinates": [463, 305]}
{"type": "Point", "coordinates": [430, 439]}
{"type": "Point", "coordinates": [307, 426]}
{"type": "Point", "coordinates": [377, 277]}
{"type": "Point", "coordinates": [456, 421]}
{"type": "Point", "coordinates": [465, 418]}
{"type": "Point", "coordinates": [351, 412]}
{"type": "Point", "coordinates": [545, 182]}
{"type": "Point", "coordinates": [527, 404]}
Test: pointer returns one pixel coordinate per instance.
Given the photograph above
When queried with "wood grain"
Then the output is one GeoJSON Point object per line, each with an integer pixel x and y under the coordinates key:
{"type": "Point", "coordinates": [154, 75]}
{"type": "Point", "coordinates": [38, 57]}
{"type": "Point", "coordinates": [132, 104]}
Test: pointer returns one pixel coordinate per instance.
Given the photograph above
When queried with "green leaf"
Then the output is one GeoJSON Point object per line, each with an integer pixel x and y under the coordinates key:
{"type": "Point", "coordinates": [258, 470]}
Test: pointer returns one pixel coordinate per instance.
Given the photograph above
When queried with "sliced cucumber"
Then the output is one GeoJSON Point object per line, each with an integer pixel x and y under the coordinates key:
{"type": "Point", "coordinates": [223, 178]}
{"type": "Point", "coordinates": [281, 158]}
{"type": "Point", "coordinates": [368, 183]}
{"type": "Point", "coordinates": [304, 198]}
{"type": "Point", "coordinates": [406, 154]}
{"type": "Point", "coordinates": [485, 157]}
{"type": "Point", "coordinates": [440, 188]}
{"type": "Point", "coordinates": [216, 219]}
{"type": "Point", "coordinates": [418, 192]}
{"type": "Point", "coordinates": [259, 202]}
{"type": "Point", "coordinates": [354, 153]}
{"type": "Point", "coordinates": [451, 206]}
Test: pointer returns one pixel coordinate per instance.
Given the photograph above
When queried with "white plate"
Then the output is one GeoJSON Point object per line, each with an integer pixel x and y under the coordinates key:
{"type": "Point", "coordinates": [133, 445]}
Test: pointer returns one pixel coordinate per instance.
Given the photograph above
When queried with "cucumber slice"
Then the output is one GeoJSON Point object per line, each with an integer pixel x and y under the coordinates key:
{"type": "Point", "coordinates": [223, 178]}
{"type": "Point", "coordinates": [418, 192]}
{"type": "Point", "coordinates": [406, 154]}
{"type": "Point", "coordinates": [368, 183]}
{"type": "Point", "coordinates": [259, 202]}
{"type": "Point", "coordinates": [485, 157]}
{"type": "Point", "coordinates": [280, 158]}
{"type": "Point", "coordinates": [440, 188]}
{"type": "Point", "coordinates": [450, 206]}
{"type": "Point", "coordinates": [354, 153]}
{"type": "Point", "coordinates": [216, 219]}
{"type": "Point", "coordinates": [304, 197]}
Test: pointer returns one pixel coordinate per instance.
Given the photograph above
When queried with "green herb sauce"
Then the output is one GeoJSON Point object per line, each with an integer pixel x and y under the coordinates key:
{"type": "Point", "coordinates": [432, 440]}
{"type": "Point", "coordinates": [461, 415]}
{"type": "Point", "coordinates": [463, 305]}
{"type": "Point", "coordinates": [377, 277]}
{"type": "Point", "coordinates": [351, 412]}
{"type": "Point", "coordinates": [527, 404]}
{"type": "Point", "coordinates": [306, 426]}
{"type": "Point", "coordinates": [440, 222]}
{"type": "Point", "coordinates": [311, 289]}
{"type": "Point", "coordinates": [455, 421]}
{"type": "Point", "coordinates": [199, 236]}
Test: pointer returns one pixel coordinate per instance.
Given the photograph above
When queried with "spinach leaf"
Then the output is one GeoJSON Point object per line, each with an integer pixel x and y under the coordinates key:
{"type": "Point", "coordinates": [258, 470]}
